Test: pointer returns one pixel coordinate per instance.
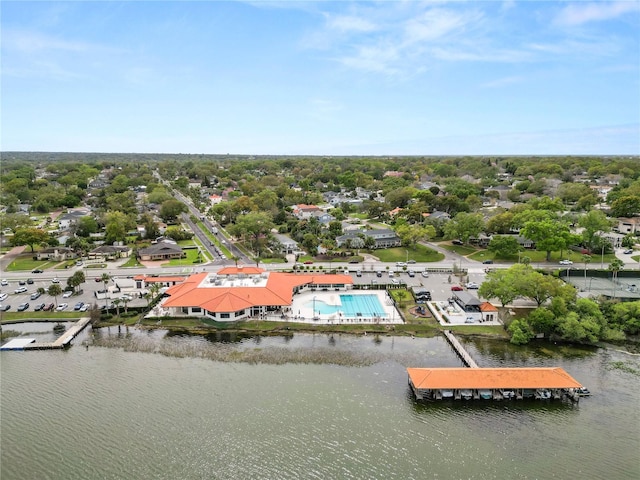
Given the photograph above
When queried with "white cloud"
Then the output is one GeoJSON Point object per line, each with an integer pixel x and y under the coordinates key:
{"type": "Point", "coordinates": [31, 42]}
{"type": "Point", "coordinates": [350, 24]}
{"type": "Point", "coordinates": [579, 13]}
{"type": "Point", "coordinates": [438, 23]}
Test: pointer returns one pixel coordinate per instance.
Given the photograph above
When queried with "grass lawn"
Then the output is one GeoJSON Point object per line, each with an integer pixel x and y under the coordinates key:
{"type": "Point", "coordinates": [419, 253]}
{"type": "Point", "coordinates": [273, 260]}
{"type": "Point", "coordinates": [17, 317]}
{"type": "Point", "coordinates": [132, 262]}
{"type": "Point", "coordinates": [361, 216]}
{"type": "Point", "coordinates": [192, 259]}
{"type": "Point", "coordinates": [25, 262]}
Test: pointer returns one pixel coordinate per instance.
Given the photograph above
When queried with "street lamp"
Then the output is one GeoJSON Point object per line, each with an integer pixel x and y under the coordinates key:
{"type": "Point", "coordinates": [314, 307]}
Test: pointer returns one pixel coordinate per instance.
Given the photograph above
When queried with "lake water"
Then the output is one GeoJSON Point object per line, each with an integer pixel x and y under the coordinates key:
{"type": "Point", "coordinates": [106, 413]}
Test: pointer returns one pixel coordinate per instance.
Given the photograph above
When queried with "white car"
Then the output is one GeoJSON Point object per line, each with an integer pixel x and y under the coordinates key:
{"type": "Point", "coordinates": [425, 274]}
{"type": "Point", "coordinates": [67, 294]}
{"type": "Point", "coordinates": [62, 306]}
{"type": "Point", "coordinates": [4, 282]}
{"type": "Point", "coordinates": [55, 280]}
{"type": "Point", "coordinates": [20, 290]}
{"type": "Point", "coordinates": [473, 286]}
{"type": "Point", "coordinates": [84, 308]}
{"type": "Point", "coordinates": [566, 262]}
{"type": "Point", "coordinates": [3, 296]}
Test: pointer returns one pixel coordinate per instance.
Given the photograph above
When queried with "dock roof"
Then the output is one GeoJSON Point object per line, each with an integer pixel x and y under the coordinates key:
{"type": "Point", "coordinates": [490, 378]}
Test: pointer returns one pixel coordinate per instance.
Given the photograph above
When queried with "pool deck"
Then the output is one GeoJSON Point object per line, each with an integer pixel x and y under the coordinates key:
{"type": "Point", "coordinates": [301, 311]}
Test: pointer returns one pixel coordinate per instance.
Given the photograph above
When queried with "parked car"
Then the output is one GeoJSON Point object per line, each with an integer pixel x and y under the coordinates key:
{"type": "Point", "coordinates": [35, 295]}
{"type": "Point", "coordinates": [39, 307]}
{"type": "Point", "coordinates": [4, 282]}
{"type": "Point", "coordinates": [36, 270]}
{"type": "Point", "coordinates": [46, 308]}
{"type": "Point", "coordinates": [98, 279]}
{"type": "Point", "coordinates": [354, 261]}
{"type": "Point", "coordinates": [62, 306]}
{"type": "Point", "coordinates": [401, 264]}
{"type": "Point", "coordinates": [425, 274]}
{"type": "Point", "coordinates": [20, 290]}
{"type": "Point", "coordinates": [566, 262]}
{"type": "Point", "coordinates": [456, 242]}
{"type": "Point", "coordinates": [30, 281]}
{"type": "Point", "coordinates": [456, 288]}
{"type": "Point", "coordinates": [411, 261]}
{"type": "Point", "coordinates": [358, 273]}
{"type": "Point", "coordinates": [395, 281]}
{"type": "Point", "coordinates": [84, 308]}
{"type": "Point", "coordinates": [78, 305]}
{"type": "Point", "coordinates": [472, 286]}
{"type": "Point", "coordinates": [67, 294]}
{"type": "Point", "coordinates": [628, 251]}
{"type": "Point", "coordinates": [488, 262]}
{"type": "Point", "coordinates": [378, 274]}
{"type": "Point", "coordinates": [22, 282]}
{"type": "Point", "coordinates": [4, 308]}
{"type": "Point", "coordinates": [55, 280]}
{"type": "Point", "coordinates": [411, 273]}
{"type": "Point", "coordinates": [23, 306]}
{"type": "Point", "coordinates": [3, 296]}
{"type": "Point", "coordinates": [308, 262]}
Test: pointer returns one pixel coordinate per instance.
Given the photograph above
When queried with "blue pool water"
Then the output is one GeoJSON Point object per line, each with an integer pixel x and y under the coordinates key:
{"type": "Point", "coordinates": [351, 306]}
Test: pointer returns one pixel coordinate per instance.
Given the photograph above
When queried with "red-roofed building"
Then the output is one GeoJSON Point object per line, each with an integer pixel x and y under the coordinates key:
{"type": "Point", "coordinates": [236, 293]}
{"type": "Point", "coordinates": [302, 211]}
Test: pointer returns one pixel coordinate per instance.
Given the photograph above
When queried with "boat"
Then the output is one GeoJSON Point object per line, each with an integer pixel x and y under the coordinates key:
{"type": "Point", "coordinates": [583, 391]}
{"type": "Point", "coordinates": [485, 394]}
{"type": "Point", "coordinates": [446, 393]}
{"type": "Point", "coordinates": [466, 394]}
{"type": "Point", "coordinates": [543, 394]}
{"type": "Point", "coordinates": [508, 394]}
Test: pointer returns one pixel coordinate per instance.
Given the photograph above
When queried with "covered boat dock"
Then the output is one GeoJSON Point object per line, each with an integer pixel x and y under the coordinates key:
{"type": "Point", "coordinates": [492, 383]}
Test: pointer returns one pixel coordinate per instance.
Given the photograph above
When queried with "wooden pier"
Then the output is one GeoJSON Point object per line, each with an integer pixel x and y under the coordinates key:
{"type": "Point", "coordinates": [459, 349]}
{"type": "Point", "coordinates": [63, 341]}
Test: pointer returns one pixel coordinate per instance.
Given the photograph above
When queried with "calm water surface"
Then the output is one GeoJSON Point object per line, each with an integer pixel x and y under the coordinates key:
{"type": "Point", "coordinates": [104, 413]}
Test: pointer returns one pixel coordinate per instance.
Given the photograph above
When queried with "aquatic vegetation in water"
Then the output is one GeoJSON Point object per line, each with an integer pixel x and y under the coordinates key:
{"type": "Point", "coordinates": [625, 367]}
{"type": "Point", "coordinates": [171, 347]}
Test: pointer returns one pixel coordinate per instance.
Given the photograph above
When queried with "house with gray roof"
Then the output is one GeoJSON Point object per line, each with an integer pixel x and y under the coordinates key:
{"type": "Point", "coordinates": [164, 250]}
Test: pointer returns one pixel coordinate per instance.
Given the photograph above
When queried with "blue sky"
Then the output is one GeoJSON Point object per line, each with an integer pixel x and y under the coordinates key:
{"type": "Point", "coordinates": [321, 78]}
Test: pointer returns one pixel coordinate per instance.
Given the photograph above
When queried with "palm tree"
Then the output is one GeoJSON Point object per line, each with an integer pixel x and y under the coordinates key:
{"type": "Point", "coordinates": [614, 267]}
{"type": "Point", "coordinates": [54, 290]}
{"type": "Point", "coordinates": [116, 302]}
{"type": "Point", "coordinates": [105, 277]}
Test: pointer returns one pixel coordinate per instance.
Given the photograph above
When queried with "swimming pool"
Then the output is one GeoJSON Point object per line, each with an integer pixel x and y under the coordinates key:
{"type": "Point", "coordinates": [351, 306]}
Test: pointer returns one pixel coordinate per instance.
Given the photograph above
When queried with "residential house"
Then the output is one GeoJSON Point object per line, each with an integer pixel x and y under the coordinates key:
{"type": "Point", "coordinates": [59, 254]}
{"type": "Point", "coordinates": [163, 250]}
{"type": "Point", "coordinates": [285, 244]}
{"type": "Point", "coordinates": [383, 237]}
{"type": "Point", "coordinates": [628, 225]}
{"type": "Point", "coordinates": [302, 211]}
{"type": "Point", "coordinates": [110, 252]}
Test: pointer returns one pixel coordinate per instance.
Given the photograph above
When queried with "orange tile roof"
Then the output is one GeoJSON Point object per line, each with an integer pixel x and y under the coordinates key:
{"type": "Point", "coordinates": [277, 292]}
{"type": "Point", "coordinates": [168, 278]}
{"type": "Point", "coordinates": [490, 378]}
{"type": "Point", "coordinates": [240, 269]}
{"type": "Point", "coordinates": [488, 307]}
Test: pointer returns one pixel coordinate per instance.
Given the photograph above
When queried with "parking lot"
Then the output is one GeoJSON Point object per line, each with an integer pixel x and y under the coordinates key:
{"type": "Point", "coordinates": [19, 293]}
{"type": "Point", "coordinates": [439, 284]}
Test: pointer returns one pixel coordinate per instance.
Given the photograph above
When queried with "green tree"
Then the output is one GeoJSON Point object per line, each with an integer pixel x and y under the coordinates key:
{"type": "Point", "coordinates": [464, 226]}
{"type": "Point", "coordinates": [29, 236]}
{"type": "Point", "coordinates": [521, 332]}
{"type": "Point", "coordinates": [626, 206]}
{"type": "Point", "coordinates": [594, 223]}
{"type": "Point", "coordinates": [548, 235]}
{"type": "Point", "coordinates": [116, 226]}
{"type": "Point", "coordinates": [255, 228]}
{"type": "Point", "coordinates": [86, 226]}
{"type": "Point", "coordinates": [13, 221]}
{"type": "Point", "coordinates": [504, 245]}
{"type": "Point", "coordinates": [54, 290]}
{"type": "Point", "coordinates": [170, 209]}
{"type": "Point", "coordinates": [76, 279]}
